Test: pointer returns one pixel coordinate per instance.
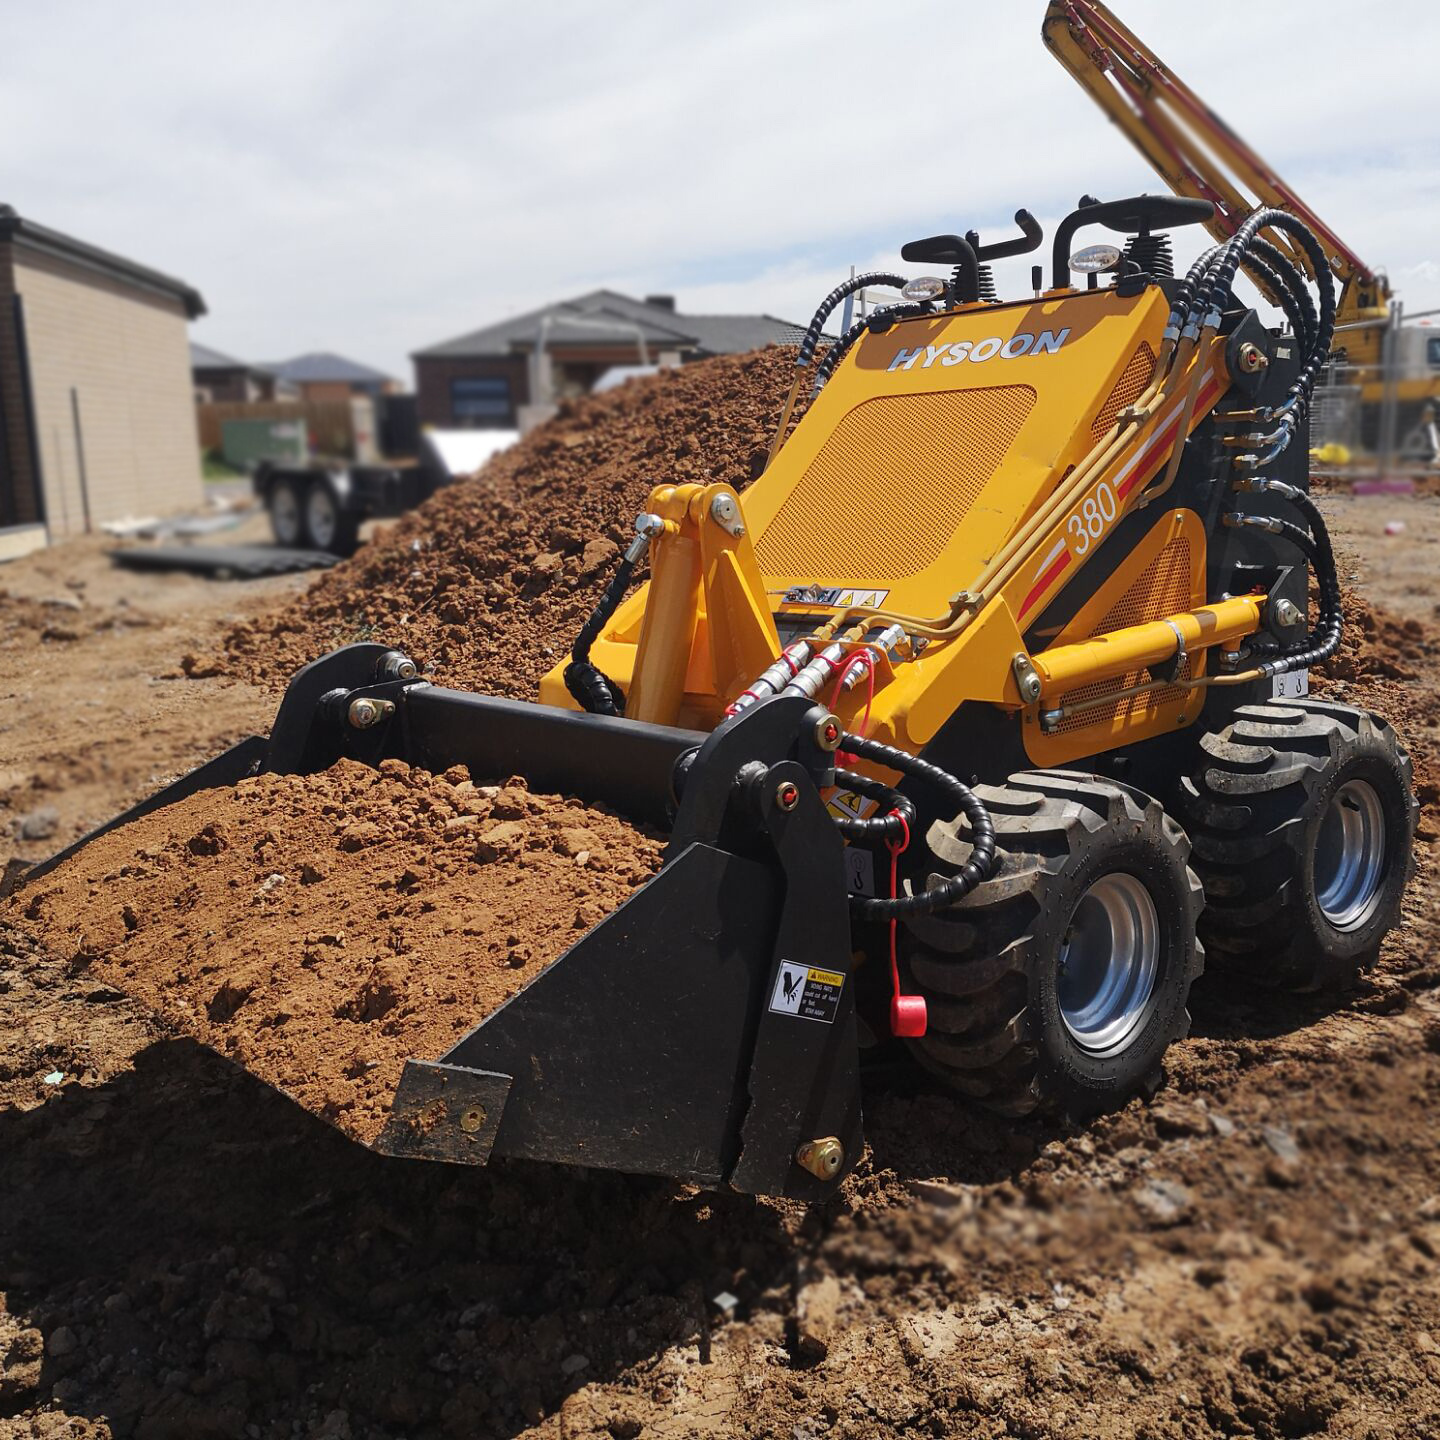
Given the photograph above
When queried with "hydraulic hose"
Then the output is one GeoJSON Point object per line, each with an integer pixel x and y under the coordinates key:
{"type": "Point", "coordinates": [982, 829]}
{"type": "Point", "coordinates": [593, 690]}
{"type": "Point", "coordinates": [1324, 639]}
{"type": "Point", "coordinates": [827, 305]}
{"type": "Point", "coordinates": [837, 352]}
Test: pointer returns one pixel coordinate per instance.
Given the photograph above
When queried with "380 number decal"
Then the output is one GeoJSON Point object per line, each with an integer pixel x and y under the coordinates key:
{"type": "Point", "coordinates": [1088, 523]}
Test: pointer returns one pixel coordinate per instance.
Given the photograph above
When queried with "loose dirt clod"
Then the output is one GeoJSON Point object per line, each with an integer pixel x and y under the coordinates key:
{"type": "Point", "coordinates": [489, 582]}
{"type": "Point", "coordinates": [322, 929]}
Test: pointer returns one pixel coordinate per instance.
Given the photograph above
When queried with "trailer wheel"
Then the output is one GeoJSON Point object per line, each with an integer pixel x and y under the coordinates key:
{"type": "Point", "coordinates": [287, 518]}
{"type": "Point", "coordinates": [328, 525]}
{"type": "Point", "coordinates": [1302, 815]}
{"type": "Point", "coordinates": [1059, 982]}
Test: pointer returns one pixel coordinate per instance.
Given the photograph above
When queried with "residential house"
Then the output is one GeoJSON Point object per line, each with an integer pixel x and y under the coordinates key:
{"type": "Point", "coordinates": [223, 379]}
{"type": "Point", "coordinates": [322, 376]}
{"type": "Point", "coordinates": [97, 415]}
{"type": "Point", "coordinates": [487, 378]}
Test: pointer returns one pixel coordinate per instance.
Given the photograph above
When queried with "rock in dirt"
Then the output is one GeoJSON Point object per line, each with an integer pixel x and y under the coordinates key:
{"type": "Point", "coordinates": [817, 1318]}
{"type": "Point", "coordinates": [396, 945]}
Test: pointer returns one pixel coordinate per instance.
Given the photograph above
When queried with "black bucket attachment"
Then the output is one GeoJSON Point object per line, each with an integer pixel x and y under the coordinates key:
{"type": "Point", "coordinates": [705, 1030]}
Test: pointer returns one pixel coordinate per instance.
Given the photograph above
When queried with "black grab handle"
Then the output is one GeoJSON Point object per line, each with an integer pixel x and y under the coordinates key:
{"type": "Point", "coordinates": [1137, 215]}
{"type": "Point", "coordinates": [1030, 237]}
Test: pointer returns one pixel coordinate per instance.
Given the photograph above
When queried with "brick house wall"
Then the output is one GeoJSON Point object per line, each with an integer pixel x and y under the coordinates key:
{"type": "Point", "coordinates": [434, 377]}
{"type": "Point", "coordinates": [120, 354]}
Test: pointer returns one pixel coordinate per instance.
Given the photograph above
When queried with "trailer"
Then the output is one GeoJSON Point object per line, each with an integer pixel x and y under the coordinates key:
{"type": "Point", "coordinates": [322, 505]}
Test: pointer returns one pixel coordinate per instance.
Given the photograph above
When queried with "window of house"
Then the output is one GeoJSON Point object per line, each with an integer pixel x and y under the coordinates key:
{"type": "Point", "coordinates": [480, 398]}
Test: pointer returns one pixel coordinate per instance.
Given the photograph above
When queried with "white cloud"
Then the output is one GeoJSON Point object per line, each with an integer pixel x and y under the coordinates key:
{"type": "Point", "coordinates": [370, 178]}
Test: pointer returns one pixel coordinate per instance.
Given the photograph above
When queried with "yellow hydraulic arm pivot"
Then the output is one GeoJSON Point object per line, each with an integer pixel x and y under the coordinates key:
{"type": "Point", "coordinates": [1197, 154]}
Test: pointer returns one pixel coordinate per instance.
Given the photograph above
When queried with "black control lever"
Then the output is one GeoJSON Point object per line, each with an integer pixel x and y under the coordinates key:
{"type": "Point", "coordinates": [1030, 237]}
{"type": "Point", "coordinates": [1137, 215]}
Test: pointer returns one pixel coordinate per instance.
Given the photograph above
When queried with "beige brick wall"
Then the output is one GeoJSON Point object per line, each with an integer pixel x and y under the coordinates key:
{"type": "Point", "coordinates": [126, 355]}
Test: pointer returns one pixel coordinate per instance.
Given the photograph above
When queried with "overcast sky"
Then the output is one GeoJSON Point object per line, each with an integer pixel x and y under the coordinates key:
{"type": "Point", "coordinates": [371, 178]}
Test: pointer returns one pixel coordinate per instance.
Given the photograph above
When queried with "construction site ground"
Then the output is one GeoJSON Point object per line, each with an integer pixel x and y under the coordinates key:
{"type": "Point", "coordinates": [184, 1253]}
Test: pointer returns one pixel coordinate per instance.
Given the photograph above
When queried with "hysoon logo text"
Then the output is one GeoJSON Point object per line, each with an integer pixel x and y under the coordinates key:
{"type": "Point", "coordinates": [1047, 342]}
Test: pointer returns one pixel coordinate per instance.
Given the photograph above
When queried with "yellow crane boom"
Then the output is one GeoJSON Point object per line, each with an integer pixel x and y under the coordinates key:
{"type": "Point", "coordinates": [1198, 155]}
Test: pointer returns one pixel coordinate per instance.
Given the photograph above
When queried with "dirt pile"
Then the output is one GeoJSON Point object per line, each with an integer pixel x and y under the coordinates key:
{"type": "Point", "coordinates": [488, 583]}
{"type": "Point", "coordinates": [320, 930]}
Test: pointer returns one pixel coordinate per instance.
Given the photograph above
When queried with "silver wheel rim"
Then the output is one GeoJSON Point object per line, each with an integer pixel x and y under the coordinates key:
{"type": "Point", "coordinates": [1109, 959]}
{"type": "Point", "coordinates": [285, 516]}
{"type": "Point", "coordinates": [320, 511]}
{"type": "Point", "coordinates": [1350, 856]}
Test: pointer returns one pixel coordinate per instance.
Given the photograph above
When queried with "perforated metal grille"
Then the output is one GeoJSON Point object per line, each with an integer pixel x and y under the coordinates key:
{"type": "Point", "coordinates": [1162, 588]}
{"type": "Point", "coordinates": [1132, 381]}
{"type": "Point", "coordinates": [897, 475]}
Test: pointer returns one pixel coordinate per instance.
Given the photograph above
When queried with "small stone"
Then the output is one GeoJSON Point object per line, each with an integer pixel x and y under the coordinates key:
{"type": "Point", "coordinates": [574, 1364]}
{"type": "Point", "coordinates": [817, 1313]}
{"type": "Point", "coordinates": [1222, 1125]}
{"type": "Point", "coordinates": [271, 882]}
{"type": "Point", "coordinates": [358, 835]}
{"type": "Point", "coordinates": [63, 1341]}
{"type": "Point", "coordinates": [1163, 1202]}
{"type": "Point", "coordinates": [55, 1077]}
{"type": "Point", "coordinates": [597, 553]}
{"type": "Point", "coordinates": [39, 824]}
{"type": "Point", "coordinates": [1282, 1143]}
{"type": "Point", "coordinates": [501, 839]}
{"type": "Point", "coordinates": [576, 840]}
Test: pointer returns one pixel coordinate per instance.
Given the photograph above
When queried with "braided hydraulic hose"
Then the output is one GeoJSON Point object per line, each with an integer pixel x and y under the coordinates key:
{"type": "Point", "coordinates": [873, 322]}
{"type": "Point", "coordinates": [827, 305]}
{"type": "Point", "coordinates": [1222, 277]}
{"type": "Point", "coordinates": [595, 691]}
{"type": "Point", "coordinates": [1278, 273]}
{"type": "Point", "coordinates": [1324, 639]}
{"type": "Point", "coordinates": [982, 829]}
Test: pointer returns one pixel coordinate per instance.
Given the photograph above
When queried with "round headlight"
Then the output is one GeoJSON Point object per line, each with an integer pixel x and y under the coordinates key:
{"type": "Point", "coordinates": [1095, 257]}
{"type": "Point", "coordinates": [924, 287]}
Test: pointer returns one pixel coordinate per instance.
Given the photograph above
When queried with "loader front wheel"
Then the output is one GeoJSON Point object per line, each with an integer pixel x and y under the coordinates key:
{"type": "Point", "coordinates": [1060, 981]}
{"type": "Point", "coordinates": [1303, 818]}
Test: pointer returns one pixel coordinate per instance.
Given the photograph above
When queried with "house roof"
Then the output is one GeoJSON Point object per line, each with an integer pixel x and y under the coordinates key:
{"type": "Point", "coordinates": [605, 317]}
{"type": "Point", "coordinates": [321, 366]}
{"type": "Point", "coordinates": [39, 239]}
{"type": "Point", "coordinates": [202, 357]}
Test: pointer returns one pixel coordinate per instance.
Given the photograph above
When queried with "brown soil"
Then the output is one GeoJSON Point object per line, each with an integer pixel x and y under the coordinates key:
{"type": "Point", "coordinates": [321, 930]}
{"type": "Point", "coordinates": [183, 1253]}
{"type": "Point", "coordinates": [488, 583]}
{"type": "Point", "coordinates": [98, 706]}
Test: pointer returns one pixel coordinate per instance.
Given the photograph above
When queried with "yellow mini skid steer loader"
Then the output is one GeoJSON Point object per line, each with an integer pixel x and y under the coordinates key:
{"type": "Point", "coordinates": [970, 720]}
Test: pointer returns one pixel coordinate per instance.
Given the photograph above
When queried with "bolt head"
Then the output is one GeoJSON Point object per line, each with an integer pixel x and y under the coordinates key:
{"type": "Point", "coordinates": [471, 1120]}
{"type": "Point", "coordinates": [787, 795]}
{"type": "Point", "coordinates": [1252, 358]}
{"type": "Point", "coordinates": [828, 732]}
{"type": "Point", "coordinates": [364, 712]}
{"type": "Point", "coordinates": [822, 1158]}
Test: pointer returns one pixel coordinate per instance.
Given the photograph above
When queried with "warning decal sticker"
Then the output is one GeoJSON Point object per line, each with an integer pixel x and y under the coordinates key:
{"type": "Point", "coordinates": [805, 991]}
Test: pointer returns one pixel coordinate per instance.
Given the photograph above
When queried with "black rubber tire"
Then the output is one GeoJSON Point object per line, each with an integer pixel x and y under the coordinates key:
{"type": "Point", "coordinates": [1254, 807]}
{"type": "Point", "coordinates": [342, 535]}
{"type": "Point", "coordinates": [286, 505]}
{"type": "Point", "coordinates": [989, 967]}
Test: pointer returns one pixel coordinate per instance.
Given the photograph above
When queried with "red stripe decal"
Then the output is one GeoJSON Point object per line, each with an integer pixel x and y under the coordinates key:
{"type": "Point", "coordinates": [1161, 442]}
{"type": "Point", "coordinates": [1045, 581]}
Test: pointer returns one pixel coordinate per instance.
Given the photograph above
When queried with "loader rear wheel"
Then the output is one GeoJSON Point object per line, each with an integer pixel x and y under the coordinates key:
{"type": "Point", "coordinates": [1302, 816]}
{"type": "Point", "coordinates": [1059, 982]}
